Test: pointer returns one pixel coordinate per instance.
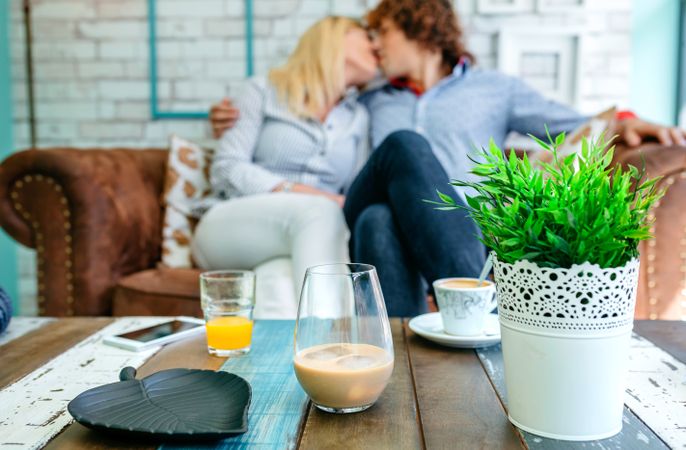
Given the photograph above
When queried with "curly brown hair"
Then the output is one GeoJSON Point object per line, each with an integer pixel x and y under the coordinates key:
{"type": "Point", "coordinates": [432, 23]}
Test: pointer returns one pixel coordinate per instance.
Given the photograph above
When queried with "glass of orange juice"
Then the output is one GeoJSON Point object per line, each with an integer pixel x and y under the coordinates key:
{"type": "Point", "coordinates": [227, 298]}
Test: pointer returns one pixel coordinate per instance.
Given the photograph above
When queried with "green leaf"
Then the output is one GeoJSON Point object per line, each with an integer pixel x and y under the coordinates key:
{"type": "Point", "coordinates": [473, 202]}
{"type": "Point", "coordinates": [560, 139]}
{"type": "Point", "coordinates": [446, 198]}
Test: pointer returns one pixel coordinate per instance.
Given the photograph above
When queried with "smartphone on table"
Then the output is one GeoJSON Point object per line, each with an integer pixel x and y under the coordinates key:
{"type": "Point", "coordinates": [162, 333]}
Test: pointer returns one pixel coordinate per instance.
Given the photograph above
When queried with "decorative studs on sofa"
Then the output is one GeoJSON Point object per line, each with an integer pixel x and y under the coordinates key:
{"type": "Point", "coordinates": [38, 235]}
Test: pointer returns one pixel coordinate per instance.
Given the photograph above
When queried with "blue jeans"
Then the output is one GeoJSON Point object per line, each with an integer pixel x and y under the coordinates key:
{"type": "Point", "coordinates": [407, 239]}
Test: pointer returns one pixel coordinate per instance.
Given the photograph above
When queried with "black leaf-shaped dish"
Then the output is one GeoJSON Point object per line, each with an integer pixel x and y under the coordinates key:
{"type": "Point", "coordinates": [175, 404]}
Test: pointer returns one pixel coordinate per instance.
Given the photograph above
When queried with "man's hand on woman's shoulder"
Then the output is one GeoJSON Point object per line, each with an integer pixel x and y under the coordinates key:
{"type": "Point", "coordinates": [223, 116]}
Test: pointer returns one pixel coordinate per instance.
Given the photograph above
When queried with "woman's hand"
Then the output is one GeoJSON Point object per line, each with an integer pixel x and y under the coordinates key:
{"type": "Point", "coordinates": [339, 199]}
{"type": "Point", "coordinates": [305, 189]}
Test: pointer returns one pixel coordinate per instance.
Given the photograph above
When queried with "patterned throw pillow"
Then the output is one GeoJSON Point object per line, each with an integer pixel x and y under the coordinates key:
{"type": "Point", "coordinates": [598, 125]}
{"type": "Point", "coordinates": [186, 183]}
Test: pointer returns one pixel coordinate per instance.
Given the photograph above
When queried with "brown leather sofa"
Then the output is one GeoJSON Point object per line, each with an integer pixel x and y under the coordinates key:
{"type": "Point", "coordinates": [94, 217]}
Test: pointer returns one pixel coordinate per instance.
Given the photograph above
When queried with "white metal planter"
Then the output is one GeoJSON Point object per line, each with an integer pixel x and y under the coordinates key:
{"type": "Point", "coordinates": [565, 339]}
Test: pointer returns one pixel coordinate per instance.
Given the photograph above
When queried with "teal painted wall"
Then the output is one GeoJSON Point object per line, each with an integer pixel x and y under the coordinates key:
{"type": "Point", "coordinates": [655, 50]}
{"type": "Point", "coordinates": [8, 250]}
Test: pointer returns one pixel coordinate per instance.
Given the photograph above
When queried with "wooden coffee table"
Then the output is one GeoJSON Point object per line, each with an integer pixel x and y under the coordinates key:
{"type": "Point", "coordinates": [437, 397]}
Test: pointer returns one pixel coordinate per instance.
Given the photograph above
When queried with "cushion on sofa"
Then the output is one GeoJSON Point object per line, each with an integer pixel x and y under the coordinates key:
{"type": "Point", "coordinates": [171, 292]}
{"type": "Point", "coordinates": [597, 126]}
{"type": "Point", "coordinates": [186, 182]}
{"type": "Point", "coordinates": [159, 291]}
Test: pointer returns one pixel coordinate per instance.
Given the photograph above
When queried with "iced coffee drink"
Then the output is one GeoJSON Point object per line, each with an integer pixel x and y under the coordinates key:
{"type": "Point", "coordinates": [343, 376]}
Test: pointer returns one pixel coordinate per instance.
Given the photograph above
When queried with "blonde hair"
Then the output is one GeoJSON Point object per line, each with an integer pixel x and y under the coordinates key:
{"type": "Point", "coordinates": [313, 76]}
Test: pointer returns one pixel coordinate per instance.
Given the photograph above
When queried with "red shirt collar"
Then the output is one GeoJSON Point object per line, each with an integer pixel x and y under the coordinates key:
{"type": "Point", "coordinates": [406, 83]}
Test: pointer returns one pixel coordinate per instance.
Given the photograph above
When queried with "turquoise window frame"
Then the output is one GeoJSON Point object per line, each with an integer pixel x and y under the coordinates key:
{"type": "Point", "coordinates": [655, 60]}
{"type": "Point", "coordinates": [8, 248]}
{"type": "Point", "coordinates": [681, 89]}
{"type": "Point", "coordinates": [155, 111]}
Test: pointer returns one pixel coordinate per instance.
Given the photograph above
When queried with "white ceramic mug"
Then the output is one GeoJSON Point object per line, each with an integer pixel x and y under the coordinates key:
{"type": "Point", "coordinates": [464, 308]}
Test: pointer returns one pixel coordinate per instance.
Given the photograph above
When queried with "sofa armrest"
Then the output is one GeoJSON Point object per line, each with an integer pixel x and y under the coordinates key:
{"type": "Point", "coordinates": [93, 216]}
{"type": "Point", "coordinates": [662, 278]}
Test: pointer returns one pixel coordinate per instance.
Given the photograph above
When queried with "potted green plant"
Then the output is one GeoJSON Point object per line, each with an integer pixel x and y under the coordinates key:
{"type": "Point", "coordinates": [564, 242]}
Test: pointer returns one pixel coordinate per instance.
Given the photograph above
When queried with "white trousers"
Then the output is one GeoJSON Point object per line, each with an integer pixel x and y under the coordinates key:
{"type": "Point", "coordinates": [245, 232]}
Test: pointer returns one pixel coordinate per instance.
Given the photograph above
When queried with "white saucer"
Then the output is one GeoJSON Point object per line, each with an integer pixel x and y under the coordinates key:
{"type": "Point", "coordinates": [430, 326]}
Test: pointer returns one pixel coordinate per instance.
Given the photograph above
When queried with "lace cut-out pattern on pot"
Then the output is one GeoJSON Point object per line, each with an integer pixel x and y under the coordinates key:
{"type": "Point", "coordinates": [584, 298]}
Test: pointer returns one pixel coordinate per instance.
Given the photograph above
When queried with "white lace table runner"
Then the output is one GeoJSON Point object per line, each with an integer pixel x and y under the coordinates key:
{"type": "Point", "coordinates": [656, 390]}
{"type": "Point", "coordinates": [19, 326]}
{"type": "Point", "coordinates": [34, 409]}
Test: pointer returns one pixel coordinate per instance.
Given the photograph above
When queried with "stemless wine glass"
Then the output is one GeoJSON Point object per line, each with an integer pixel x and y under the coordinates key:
{"type": "Point", "coordinates": [343, 344]}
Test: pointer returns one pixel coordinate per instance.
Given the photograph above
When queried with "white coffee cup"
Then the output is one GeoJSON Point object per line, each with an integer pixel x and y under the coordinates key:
{"type": "Point", "coordinates": [464, 305]}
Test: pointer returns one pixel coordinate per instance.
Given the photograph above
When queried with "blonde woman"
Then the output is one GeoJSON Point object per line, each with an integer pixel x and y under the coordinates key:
{"type": "Point", "coordinates": [279, 175]}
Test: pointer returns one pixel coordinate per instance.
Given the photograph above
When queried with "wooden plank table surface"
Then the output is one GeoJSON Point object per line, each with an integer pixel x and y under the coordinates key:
{"type": "Point", "coordinates": [437, 397]}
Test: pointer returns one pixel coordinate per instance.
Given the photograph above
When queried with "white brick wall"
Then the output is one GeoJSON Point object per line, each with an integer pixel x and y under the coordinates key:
{"type": "Point", "coordinates": [91, 62]}
{"type": "Point", "coordinates": [96, 51]}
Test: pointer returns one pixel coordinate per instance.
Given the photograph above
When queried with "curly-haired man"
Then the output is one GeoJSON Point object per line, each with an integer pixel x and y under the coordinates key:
{"type": "Point", "coordinates": [427, 119]}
